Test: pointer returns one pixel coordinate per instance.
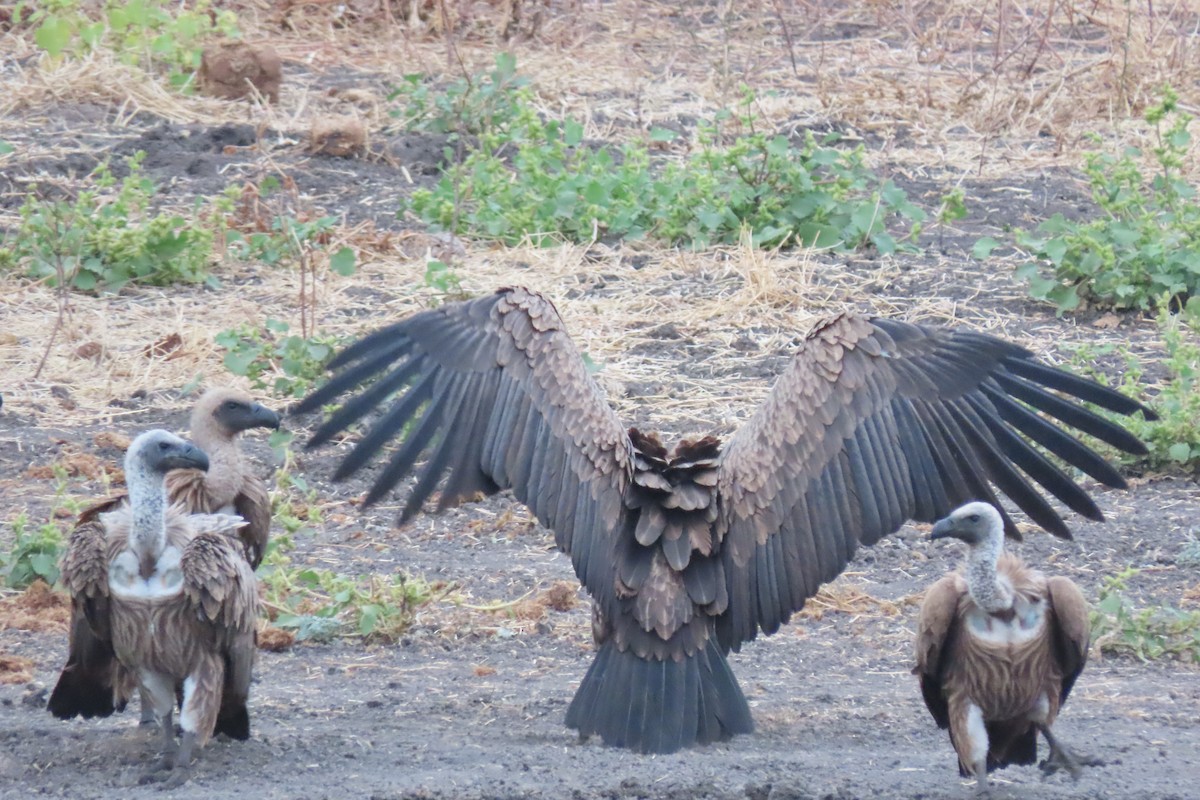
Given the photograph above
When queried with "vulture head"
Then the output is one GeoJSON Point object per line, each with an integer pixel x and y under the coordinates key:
{"type": "Point", "coordinates": [975, 523]}
{"type": "Point", "coordinates": [224, 413]}
{"type": "Point", "coordinates": [157, 452]}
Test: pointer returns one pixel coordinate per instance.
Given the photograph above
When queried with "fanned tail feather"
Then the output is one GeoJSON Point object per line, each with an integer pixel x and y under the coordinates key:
{"type": "Point", "coordinates": [656, 706]}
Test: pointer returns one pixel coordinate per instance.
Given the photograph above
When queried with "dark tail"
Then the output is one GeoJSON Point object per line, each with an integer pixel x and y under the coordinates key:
{"type": "Point", "coordinates": [659, 706]}
{"type": "Point", "coordinates": [233, 718]}
{"type": "Point", "coordinates": [85, 687]}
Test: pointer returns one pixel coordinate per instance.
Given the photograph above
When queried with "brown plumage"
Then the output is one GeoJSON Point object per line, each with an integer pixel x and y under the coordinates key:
{"type": "Point", "coordinates": [998, 648]}
{"type": "Point", "coordinates": [690, 552]}
{"type": "Point", "coordinates": [173, 596]}
{"type": "Point", "coordinates": [92, 683]}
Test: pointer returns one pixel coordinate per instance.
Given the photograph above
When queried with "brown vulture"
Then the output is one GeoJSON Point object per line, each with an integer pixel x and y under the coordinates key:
{"type": "Point", "coordinates": [174, 595]}
{"type": "Point", "coordinates": [90, 684]}
{"type": "Point", "coordinates": [689, 552]}
{"type": "Point", "coordinates": [999, 647]}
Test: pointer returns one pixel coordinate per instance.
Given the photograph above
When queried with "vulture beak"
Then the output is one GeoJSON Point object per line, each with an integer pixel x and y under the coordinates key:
{"type": "Point", "coordinates": [944, 529]}
{"type": "Point", "coordinates": [185, 455]}
{"type": "Point", "coordinates": [263, 417]}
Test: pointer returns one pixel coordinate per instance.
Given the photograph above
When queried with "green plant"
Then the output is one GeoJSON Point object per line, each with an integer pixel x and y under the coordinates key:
{"type": "Point", "coordinates": [35, 554]}
{"type": "Point", "coordinates": [1174, 438]}
{"type": "Point", "coordinates": [154, 34]}
{"type": "Point", "coordinates": [1118, 626]}
{"type": "Point", "coordinates": [538, 180]}
{"type": "Point", "coordinates": [108, 237]}
{"type": "Point", "coordinates": [1145, 245]}
{"type": "Point", "coordinates": [469, 105]}
{"type": "Point", "coordinates": [276, 232]}
{"type": "Point", "coordinates": [272, 359]}
{"type": "Point", "coordinates": [320, 604]}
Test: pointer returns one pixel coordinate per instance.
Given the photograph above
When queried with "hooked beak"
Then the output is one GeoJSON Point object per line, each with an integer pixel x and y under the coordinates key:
{"type": "Point", "coordinates": [187, 456]}
{"type": "Point", "coordinates": [263, 417]}
{"type": "Point", "coordinates": [944, 529]}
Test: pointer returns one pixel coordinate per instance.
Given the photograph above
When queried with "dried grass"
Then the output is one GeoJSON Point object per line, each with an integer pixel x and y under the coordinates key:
{"type": "Point", "coordinates": [15, 669]}
{"type": "Point", "coordinates": [38, 608]}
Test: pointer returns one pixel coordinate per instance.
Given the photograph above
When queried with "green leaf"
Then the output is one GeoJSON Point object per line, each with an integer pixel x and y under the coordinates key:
{"type": "Point", "coordinates": [53, 35]}
{"type": "Point", "coordinates": [572, 133]}
{"type": "Point", "coordinates": [342, 262]}
{"type": "Point", "coordinates": [5, 148]}
{"type": "Point", "coordinates": [85, 281]}
{"type": "Point", "coordinates": [663, 135]}
{"type": "Point", "coordinates": [44, 565]}
{"type": "Point", "coordinates": [239, 361]}
{"type": "Point", "coordinates": [984, 247]}
{"type": "Point", "coordinates": [1180, 451]}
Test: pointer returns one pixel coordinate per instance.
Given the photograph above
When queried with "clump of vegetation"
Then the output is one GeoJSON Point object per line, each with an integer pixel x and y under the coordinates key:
{"type": "Point", "coordinates": [152, 34]}
{"type": "Point", "coordinates": [535, 178]}
{"type": "Point", "coordinates": [1118, 626]}
{"type": "Point", "coordinates": [274, 360]}
{"type": "Point", "coordinates": [1143, 247]}
{"type": "Point", "coordinates": [1174, 438]}
{"type": "Point", "coordinates": [108, 236]}
{"type": "Point", "coordinates": [320, 604]}
{"type": "Point", "coordinates": [35, 554]}
{"type": "Point", "coordinates": [469, 105]}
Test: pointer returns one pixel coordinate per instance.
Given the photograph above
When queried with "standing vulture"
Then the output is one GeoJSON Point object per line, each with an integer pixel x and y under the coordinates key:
{"type": "Point", "coordinates": [91, 683]}
{"type": "Point", "coordinates": [999, 647]}
{"type": "Point", "coordinates": [690, 552]}
{"type": "Point", "coordinates": [174, 595]}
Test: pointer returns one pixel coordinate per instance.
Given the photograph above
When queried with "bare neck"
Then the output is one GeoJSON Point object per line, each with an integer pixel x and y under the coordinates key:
{"type": "Point", "coordinates": [988, 591]}
{"type": "Point", "coordinates": [147, 503]}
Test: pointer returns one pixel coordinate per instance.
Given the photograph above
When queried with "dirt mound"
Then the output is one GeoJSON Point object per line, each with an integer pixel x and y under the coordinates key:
{"type": "Point", "coordinates": [233, 70]}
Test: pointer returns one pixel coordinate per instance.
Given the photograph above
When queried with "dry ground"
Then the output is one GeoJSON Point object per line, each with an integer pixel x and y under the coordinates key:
{"type": "Point", "coordinates": [469, 704]}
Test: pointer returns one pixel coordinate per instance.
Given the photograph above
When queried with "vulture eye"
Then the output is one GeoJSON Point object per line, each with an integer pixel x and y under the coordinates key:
{"type": "Point", "coordinates": [231, 405]}
{"type": "Point", "coordinates": [164, 446]}
{"type": "Point", "coordinates": [974, 518]}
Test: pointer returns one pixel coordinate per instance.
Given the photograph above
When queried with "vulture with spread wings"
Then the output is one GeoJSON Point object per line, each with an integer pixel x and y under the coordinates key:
{"type": "Point", "coordinates": [691, 551]}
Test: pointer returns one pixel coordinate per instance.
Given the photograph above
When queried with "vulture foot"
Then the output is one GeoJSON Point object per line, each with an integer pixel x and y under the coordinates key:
{"type": "Point", "coordinates": [1063, 758]}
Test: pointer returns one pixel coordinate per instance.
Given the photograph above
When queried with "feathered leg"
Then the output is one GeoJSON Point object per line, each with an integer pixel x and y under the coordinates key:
{"type": "Point", "coordinates": [969, 735]}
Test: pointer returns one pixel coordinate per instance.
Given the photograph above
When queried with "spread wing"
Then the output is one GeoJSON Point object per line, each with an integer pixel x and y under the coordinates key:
{"type": "Point", "coordinates": [936, 629]}
{"type": "Point", "coordinates": [1072, 629]}
{"type": "Point", "coordinates": [500, 398]}
{"type": "Point", "coordinates": [877, 422]}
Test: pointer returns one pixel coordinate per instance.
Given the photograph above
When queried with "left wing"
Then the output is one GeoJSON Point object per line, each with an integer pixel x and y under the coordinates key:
{"type": "Point", "coordinates": [877, 422]}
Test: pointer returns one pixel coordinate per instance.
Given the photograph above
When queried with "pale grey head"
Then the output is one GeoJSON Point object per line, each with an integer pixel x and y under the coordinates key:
{"type": "Point", "coordinates": [975, 523]}
{"type": "Point", "coordinates": [157, 452]}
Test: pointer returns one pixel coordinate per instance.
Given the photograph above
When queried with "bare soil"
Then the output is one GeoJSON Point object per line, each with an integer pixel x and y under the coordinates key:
{"type": "Point", "coordinates": [470, 702]}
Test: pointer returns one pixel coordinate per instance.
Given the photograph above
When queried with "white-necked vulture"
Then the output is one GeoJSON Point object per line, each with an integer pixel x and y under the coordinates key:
{"type": "Point", "coordinates": [999, 646]}
{"type": "Point", "coordinates": [91, 683]}
{"type": "Point", "coordinates": [690, 552]}
{"type": "Point", "coordinates": [174, 594]}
